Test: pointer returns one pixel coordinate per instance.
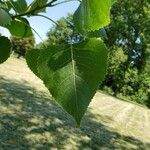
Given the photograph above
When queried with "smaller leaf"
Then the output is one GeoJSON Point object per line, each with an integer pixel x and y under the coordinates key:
{"type": "Point", "coordinates": [20, 6]}
{"type": "Point", "coordinates": [36, 4]}
{"type": "Point", "coordinates": [8, 5]}
{"type": "Point", "coordinates": [20, 27]}
{"type": "Point", "coordinates": [4, 17]}
{"type": "Point", "coordinates": [2, 5]}
{"type": "Point", "coordinates": [99, 34]}
{"type": "Point", "coordinates": [5, 47]}
{"type": "Point", "coordinates": [92, 15]}
{"type": "Point", "coordinates": [31, 59]}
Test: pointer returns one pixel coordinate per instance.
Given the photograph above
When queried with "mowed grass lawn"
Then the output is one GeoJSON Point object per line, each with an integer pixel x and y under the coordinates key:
{"type": "Point", "coordinates": [30, 120]}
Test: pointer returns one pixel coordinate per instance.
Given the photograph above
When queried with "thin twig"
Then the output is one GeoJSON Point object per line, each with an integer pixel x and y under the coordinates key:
{"type": "Point", "coordinates": [47, 18]}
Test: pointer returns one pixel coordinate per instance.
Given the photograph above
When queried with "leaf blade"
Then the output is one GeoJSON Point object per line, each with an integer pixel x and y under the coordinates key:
{"type": "Point", "coordinates": [20, 6]}
{"type": "Point", "coordinates": [4, 17]}
{"type": "Point", "coordinates": [36, 4]}
{"type": "Point", "coordinates": [20, 27]}
{"type": "Point", "coordinates": [92, 15]}
{"type": "Point", "coordinates": [67, 73]}
{"type": "Point", "coordinates": [31, 59]}
{"type": "Point", "coordinates": [5, 48]}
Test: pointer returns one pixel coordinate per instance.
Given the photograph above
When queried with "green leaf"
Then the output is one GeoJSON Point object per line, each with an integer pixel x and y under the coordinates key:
{"type": "Point", "coordinates": [20, 5]}
{"type": "Point", "coordinates": [92, 15]}
{"type": "Point", "coordinates": [31, 59]}
{"type": "Point", "coordinates": [4, 17]}
{"type": "Point", "coordinates": [20, 27]}
{"type": "Point", "coordinates": [36, 4]}
{"type": "Point", "coordinates": [99, 33]}
{"type": "Point", "coordinates": [72, 73]}
{"type": "Point", "coordinates": [2, 5]}
{"type": "Point", "coordinates": [5, 47]}
{"type": "Point", "coordinates": [113, 1]}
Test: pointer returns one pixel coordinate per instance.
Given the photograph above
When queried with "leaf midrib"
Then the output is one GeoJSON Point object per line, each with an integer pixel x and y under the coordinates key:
{"type": "Point", "coordinates": [74, 79]}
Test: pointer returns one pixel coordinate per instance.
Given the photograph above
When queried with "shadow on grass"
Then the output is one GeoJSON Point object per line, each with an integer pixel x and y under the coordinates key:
{"type": "Point", "coordinates": [30, 120]}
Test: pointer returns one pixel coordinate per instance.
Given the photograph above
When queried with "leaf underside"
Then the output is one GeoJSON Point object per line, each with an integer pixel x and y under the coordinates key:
{"type": "Point", "coordinates": [92, 15]}
{"type": "Point", "coordinates": [20, 6]}
{"type": "Point", "coordinates": [72, 73]}
{"type": "Point", "coordinates": [5, 47]}
{"type": "Point", "coordinates": [36, 4]}
{"type": "Point", "coordinates": [98, 33]}
{"type": "Point", "coordinates": [4, 17]}
{"type": "Point", "coordinates": [20, 27]}
{"type": "Point", "coordinates": [31, 59]}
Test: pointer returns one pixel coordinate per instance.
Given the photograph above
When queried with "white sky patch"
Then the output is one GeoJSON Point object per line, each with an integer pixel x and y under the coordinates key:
{"type": "Point", "coordinates": [4, 32]}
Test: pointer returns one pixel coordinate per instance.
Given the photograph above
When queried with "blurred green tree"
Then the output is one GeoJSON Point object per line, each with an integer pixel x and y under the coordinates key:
{"type": "Point", "coordinates": [21, 45]}
{"type": "Point", "coordinates": [64, 32]}
{"type": "Point", "coordinates": [129, 30]}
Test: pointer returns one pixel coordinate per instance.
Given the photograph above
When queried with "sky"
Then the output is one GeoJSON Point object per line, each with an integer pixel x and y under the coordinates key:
{"type": "Point", "coordinates": [42, 25]}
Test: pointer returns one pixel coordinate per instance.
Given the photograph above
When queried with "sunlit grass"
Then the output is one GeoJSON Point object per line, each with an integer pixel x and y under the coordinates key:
{"type": "Point", "coordinates": [29, 119]}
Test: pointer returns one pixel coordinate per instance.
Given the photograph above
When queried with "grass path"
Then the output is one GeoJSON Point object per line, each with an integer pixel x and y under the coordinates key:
{"type": "Point", "coordinates": [30, 120]}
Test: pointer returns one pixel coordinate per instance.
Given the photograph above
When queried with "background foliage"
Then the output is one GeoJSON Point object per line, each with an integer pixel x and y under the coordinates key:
{"type": "Point", "coordinates": [128, 73]}
{"type": "Point", "coordinates": [21, 45]}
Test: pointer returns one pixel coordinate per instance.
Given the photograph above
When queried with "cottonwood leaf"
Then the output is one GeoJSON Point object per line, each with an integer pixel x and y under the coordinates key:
{"type": "Point", "coordinates": [92, 15]}
{"type": "Point", "coordinates": [2, 5]}
{"type": "Point", "coordinates": [4, 17]}
{"type": "Point", "coordinates": [20, 27]}
{"type": "Point", "coordinates": [98, 33]}
{"type": "Point", "coordinates": [5, 47]}
{"type": "Point", "coordinates": [31, 59]}
{"type": "Point", "coordinates": [36, 4]}
{"type": "Point", "coordinates": [72, 73]}
{"type": "Point", "coordinates": [20, 6]}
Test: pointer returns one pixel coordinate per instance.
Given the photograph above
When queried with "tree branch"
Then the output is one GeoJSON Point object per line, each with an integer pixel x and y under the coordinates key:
{"type": "Point", "coordinates": [50, 4]}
